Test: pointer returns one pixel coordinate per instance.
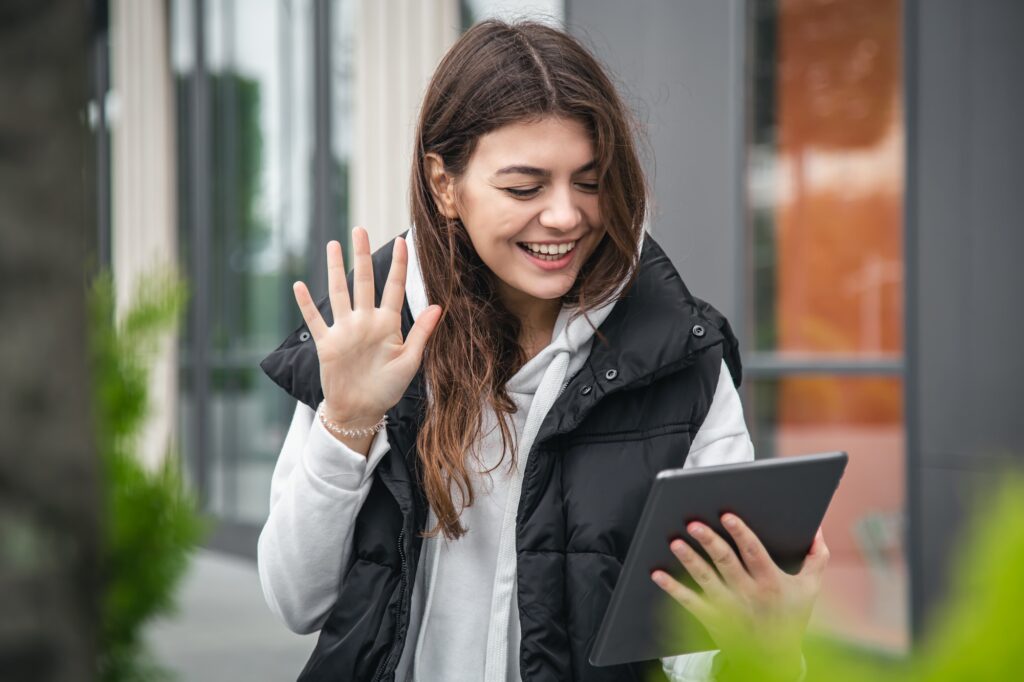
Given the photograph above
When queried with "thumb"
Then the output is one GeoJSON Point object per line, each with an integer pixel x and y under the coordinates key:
{"type": "Point", "coordinates": [416, 341]}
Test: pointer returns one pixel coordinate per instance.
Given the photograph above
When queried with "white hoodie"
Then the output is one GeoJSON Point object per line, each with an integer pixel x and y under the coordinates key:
{"type": "Point", "coordinates": [466, 590]}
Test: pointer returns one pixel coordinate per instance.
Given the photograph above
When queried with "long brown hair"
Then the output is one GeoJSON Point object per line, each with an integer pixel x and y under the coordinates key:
{"type": "Point", "coordinates": [498, 73]}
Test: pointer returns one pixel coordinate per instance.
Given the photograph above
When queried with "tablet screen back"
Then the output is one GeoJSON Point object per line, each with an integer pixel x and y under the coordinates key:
{"type": "Point", "coordinates": [783, 500]}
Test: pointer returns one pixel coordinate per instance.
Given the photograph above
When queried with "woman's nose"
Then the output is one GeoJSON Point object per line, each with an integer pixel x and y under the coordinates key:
{"type": "Point", "coordinates": [561, 210]}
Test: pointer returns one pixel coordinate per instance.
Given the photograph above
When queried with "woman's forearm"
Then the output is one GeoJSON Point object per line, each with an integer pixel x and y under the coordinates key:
{"type": "Point", "coordinates": [318, 488]}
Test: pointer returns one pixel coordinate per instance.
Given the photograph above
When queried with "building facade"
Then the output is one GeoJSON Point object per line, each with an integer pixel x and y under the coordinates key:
{"type": "Point", "coordinates": [836, 177]}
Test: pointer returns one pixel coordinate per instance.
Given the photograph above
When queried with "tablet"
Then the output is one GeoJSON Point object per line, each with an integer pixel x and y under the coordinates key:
{"type": "Point", "coordinates": [783, 500]}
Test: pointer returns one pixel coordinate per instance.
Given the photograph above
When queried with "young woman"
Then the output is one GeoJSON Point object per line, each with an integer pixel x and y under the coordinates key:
{"type": "Point", "coordinates": [479, 424]}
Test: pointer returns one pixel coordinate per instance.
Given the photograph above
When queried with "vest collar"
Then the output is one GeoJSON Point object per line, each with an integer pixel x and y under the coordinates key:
{"type": "Point", "coordinates": [657, 328]}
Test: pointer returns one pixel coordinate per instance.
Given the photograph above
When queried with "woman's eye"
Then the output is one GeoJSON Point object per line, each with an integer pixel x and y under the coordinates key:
{"type": "Point", "coordinates": [532, 191]}
{"type": "Point", "coordinates": [522, 192]}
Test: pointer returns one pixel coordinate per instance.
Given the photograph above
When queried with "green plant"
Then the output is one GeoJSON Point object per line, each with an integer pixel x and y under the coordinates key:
{"type": "Point", "coordinates": [976, 633]}
{"type": "Point", "coordinates": [151, 525]}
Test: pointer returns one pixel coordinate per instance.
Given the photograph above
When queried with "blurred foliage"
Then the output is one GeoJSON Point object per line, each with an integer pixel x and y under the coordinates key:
{"type": "Point", "coordinates": [975, 633]}
{"type": "Point", "coordinates": [151, 525]}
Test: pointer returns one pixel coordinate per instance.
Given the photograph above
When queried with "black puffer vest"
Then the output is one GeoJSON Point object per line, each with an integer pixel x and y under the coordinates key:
{"type": "Point", "coordinates": [631, 411]}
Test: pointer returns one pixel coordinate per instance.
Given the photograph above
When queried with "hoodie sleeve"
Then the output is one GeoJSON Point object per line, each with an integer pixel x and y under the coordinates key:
{"type": "Point", "coordinates": [318, 487]}
{"type": "Point", "coordinates": [723, 437]}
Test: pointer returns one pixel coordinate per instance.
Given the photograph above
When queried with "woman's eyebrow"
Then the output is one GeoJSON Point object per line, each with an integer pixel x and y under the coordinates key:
{"type": "Point", "coordinates": [540, 172]}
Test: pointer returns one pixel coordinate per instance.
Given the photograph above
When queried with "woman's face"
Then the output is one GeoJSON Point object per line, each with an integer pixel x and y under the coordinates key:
{"type": "Point", "coordinates": [532, 184]}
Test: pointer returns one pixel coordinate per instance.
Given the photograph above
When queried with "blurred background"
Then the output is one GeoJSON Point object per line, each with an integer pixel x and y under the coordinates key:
{"type": "Point", "coordinates": [837, 176]}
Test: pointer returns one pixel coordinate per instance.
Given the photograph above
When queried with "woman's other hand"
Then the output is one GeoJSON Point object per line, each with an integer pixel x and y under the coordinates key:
{"type": "Point", "coordinates": [755, 612]}
{"type": "Point", "coordinates": [365, 365]}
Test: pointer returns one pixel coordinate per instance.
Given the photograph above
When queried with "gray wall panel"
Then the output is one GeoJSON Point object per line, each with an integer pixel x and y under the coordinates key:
{"type": "Point", "coordinates": [995, 162]}
{"type": "Point", "coordinates": [965, 171]}
{"type": "Point", "coordinates": [970, 165]}
{"type": "Point", "coordinates": [941, 242]}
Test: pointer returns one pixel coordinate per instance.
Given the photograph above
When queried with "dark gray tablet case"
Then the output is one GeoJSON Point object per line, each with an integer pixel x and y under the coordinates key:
{"type": "Point", "coordinates": [783, 500]}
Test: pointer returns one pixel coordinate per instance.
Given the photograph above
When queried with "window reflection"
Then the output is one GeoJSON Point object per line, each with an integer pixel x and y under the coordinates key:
{"type": "Point", "coordinates": [825, 284]}
{"type": "Point", "coordinates": [259, 100]}
{"type": "Point", "coordinates": [260, 76]}
{"type": "Point", "coordinates": [826, 179]}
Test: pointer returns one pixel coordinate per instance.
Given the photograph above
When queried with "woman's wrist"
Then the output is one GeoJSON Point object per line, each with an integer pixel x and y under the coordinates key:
{"type": "Point", "coordinates": [350, 426]}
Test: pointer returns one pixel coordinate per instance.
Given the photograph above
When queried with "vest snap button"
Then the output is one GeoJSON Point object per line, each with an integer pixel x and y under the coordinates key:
{"type": "Point", "coordinates": [585, 390]}
{"type": "Point", "coordinates": [698, 330]}
{"type": "Point", "coordinates": [304, 336]}
{"type": "Point", "coordinates": [611, 374]}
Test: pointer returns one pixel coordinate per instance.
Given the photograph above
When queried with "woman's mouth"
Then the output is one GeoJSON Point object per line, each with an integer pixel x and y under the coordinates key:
{"type": "Point", "coordinates": [557, 256]}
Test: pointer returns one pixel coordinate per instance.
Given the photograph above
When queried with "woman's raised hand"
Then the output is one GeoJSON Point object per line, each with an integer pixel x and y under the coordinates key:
{"type": "Point", "coordinates": [365, 366]}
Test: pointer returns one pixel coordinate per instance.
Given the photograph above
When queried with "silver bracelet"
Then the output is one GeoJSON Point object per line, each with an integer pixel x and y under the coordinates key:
{"type": "Point", "coordinates": [350, 433]}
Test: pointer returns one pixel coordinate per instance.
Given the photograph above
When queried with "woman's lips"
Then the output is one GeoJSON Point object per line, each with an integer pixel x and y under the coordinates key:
{"type": "Point", "coordinates": [562, 262]}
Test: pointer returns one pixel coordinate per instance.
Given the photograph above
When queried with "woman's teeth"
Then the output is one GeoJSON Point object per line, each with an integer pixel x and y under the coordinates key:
{"type": "Point", "coordinates": [555, 251]}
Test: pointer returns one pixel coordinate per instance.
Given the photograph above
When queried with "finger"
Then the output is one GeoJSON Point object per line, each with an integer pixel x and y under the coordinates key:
{"type": "Point", "coordinates": [817, 557]}
{"type": "Point", "coordinates": [756, 558]}
{"type": "Point", "coordinates": [315, 323]}
{"type": "Point", "coordinates": [723, 556]}
{"type": "Point", "coordinates": [416, 339]}
{"type": "Point", "coordinates": [394, 288]}
{"type": "Point", "coordinates": [700, 570]}
{"type": "Point", "coordinates": [337, 283]}
{"type": "Point", "coordinates": [362, 281]}
{"type": "Point", "coordinates": [692, 601]}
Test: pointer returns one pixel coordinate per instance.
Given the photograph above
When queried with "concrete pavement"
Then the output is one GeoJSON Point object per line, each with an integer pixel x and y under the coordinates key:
{"type": "Point", "coordinates": [224, 630]}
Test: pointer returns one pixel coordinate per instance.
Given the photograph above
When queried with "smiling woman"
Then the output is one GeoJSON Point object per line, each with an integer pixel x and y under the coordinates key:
{"type": "Point", "coordinates": [481, 420]}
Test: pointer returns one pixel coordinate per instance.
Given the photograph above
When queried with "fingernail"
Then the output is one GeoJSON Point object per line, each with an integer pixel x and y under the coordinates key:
{"type": "Point", "coordinates": [695, 529]}
{"type": "Point", "coordinates": [657, 577]}
{"type": "Point", "coordinates": [729, 521]}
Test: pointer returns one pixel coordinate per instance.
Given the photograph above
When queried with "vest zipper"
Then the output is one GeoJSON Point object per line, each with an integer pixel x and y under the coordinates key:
{"type": "Point", "coordinates": [386, 661]}
{"type": "Point", "coordinates": [568, 381]}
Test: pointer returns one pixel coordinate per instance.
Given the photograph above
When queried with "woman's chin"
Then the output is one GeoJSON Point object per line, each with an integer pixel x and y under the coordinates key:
{"type": "Point", "coordinates": [551, 292]}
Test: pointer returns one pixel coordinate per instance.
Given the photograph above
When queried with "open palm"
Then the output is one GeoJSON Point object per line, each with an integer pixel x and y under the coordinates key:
{"type": "Point", "coordinates": [365, 364]}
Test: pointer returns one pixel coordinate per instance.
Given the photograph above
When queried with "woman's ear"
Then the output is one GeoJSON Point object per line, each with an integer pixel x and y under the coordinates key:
{"type": "Point", "coordinates": [442, 185]}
